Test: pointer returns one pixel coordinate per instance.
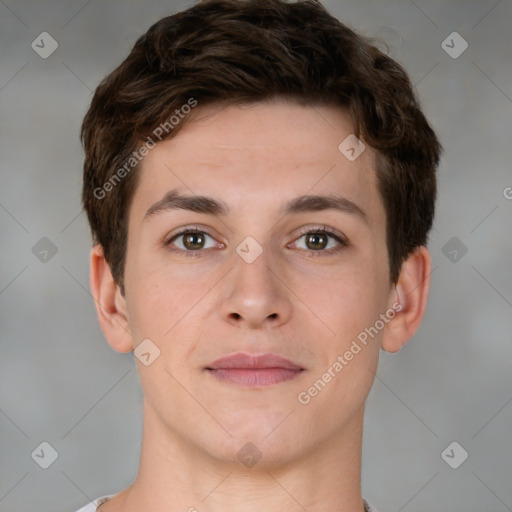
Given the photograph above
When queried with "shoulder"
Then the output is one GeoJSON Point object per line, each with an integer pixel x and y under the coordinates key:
{"type": "Point", "coordinates": [91, 507]}
{"type": "Point", "coordinates": [368, 507]}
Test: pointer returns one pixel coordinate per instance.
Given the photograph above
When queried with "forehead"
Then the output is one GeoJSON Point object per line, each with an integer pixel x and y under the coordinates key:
{"type": "Point", "coordinates": [261, 153]}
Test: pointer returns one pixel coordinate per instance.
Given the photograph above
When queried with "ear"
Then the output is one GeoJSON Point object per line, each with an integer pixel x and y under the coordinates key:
{"type": "Point", "coordinates": [411, 292]}
{"type": "Point", "coordinates": [110, 304]}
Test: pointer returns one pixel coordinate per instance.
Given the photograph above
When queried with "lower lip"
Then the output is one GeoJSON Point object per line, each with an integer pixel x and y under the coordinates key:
{"type": "Point", "coordinates": [254, 377]}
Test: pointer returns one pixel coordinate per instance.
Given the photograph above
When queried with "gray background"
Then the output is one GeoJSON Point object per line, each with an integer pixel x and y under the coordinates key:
{"type": "Point", "coordinates": [60, 381]}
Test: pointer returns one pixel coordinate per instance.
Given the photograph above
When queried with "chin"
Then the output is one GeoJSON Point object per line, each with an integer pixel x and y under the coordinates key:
{"type": "Point", "coordinates": [253, 448]}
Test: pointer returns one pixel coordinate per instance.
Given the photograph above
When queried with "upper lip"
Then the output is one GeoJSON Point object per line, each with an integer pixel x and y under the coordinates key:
{"type": "Point", "coordinates": [244, 360]}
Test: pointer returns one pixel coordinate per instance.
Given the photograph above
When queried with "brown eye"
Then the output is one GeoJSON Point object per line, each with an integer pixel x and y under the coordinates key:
{"type": "Point", "coordinates": [193, 241]}
{"type": "Point", "coordinates": [316, 241]}
{"type": "Point", "coordinates": [320, 242]}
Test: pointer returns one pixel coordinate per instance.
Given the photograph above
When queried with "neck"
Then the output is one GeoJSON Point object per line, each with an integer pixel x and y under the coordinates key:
{"type": "Point", "coordinates": [176, 475]}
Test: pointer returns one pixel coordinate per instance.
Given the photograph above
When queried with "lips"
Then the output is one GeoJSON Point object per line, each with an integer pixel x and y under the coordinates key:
{"type": "Point", "coordinates": [253, 370]}
{"type": "Point", "coordinates": [242, 360]}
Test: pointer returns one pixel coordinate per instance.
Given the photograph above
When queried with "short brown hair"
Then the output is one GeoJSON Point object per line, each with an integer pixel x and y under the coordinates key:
{"type": "Point", "coordinates": [245, 51]}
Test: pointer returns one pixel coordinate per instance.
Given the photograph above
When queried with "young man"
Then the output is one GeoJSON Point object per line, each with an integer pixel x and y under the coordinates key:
{"type": "Point", "coordinates": [260, 184]}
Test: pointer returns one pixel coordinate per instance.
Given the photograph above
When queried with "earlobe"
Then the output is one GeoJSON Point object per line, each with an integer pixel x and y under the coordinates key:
{"type": "Point", "coordinates": [411, 292]}
{"type": "Point", "coordinates": [110, 305]}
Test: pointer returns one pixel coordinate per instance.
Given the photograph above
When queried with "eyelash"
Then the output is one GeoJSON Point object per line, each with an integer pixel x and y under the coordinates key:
{"type": "Point", "coordinates": [342, 242]}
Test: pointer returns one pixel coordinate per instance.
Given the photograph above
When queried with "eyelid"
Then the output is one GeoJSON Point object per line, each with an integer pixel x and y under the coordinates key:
{"type": "Point", "coordinates": [190, 229]}
{"type": "Point", "coordinates": [325, 229]}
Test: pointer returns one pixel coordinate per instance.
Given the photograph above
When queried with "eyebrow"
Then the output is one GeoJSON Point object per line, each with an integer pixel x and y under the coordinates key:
{"type": "Point", "coordinates": [208, 205]}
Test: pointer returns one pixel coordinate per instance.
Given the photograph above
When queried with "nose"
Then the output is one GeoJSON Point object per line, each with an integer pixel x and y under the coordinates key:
{"type": "Point", "coordinates": [256, 296]}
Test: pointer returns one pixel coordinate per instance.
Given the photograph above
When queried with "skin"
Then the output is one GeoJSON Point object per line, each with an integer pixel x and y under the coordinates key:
{"type": "Point", "coordinates": [295, 299]}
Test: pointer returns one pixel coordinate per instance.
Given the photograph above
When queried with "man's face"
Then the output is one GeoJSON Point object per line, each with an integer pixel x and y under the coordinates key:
{"type": "Point", "coordinates": [306, 297]}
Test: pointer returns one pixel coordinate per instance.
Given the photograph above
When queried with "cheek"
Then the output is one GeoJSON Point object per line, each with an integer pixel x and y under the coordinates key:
{"type": "Point", "coordinates": [166, 303]}
{"type": "Point", "coordinates": [346, 299]}
{"type": "Point", "coordinates": [349, 304]}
